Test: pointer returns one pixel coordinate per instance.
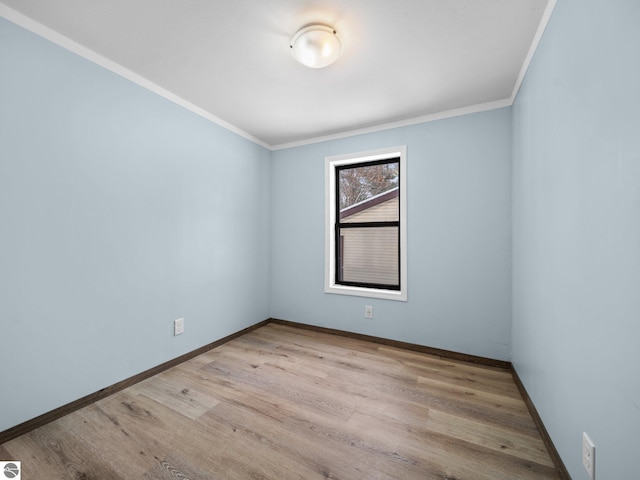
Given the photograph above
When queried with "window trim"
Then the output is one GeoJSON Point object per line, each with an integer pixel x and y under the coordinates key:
{"type": "Point", "coordinates": [331, 162]}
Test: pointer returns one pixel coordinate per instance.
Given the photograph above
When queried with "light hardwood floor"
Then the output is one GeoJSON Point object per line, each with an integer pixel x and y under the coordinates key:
{"type": "Point", "coordinates": [287, 403]}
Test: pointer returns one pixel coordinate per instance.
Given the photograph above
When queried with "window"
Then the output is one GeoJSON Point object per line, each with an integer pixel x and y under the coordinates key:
{"type": "Point", "coordinates": [365, 238]}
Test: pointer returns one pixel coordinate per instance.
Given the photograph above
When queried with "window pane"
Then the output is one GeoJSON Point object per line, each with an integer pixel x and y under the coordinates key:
{"type": "Point", "coordinates": [369, 255]}
{"type": "Point", "coordinates": [359, 184]}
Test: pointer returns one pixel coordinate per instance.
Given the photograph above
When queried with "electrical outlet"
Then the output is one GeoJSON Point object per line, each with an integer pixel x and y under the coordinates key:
{"type": "Point", "coordinates": [589, 456]}
{"type": "Point", "coordinates": [368, 311]}
{"type": "Point", "coordinates": [178, 326]}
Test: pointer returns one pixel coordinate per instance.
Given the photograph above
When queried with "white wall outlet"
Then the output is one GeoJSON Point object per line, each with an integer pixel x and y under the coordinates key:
{"type": "Point", "coordinates": [589, 456]}
{"type": "Point", "coordinates": [368, 311]}
{"type": "Point", "coordinates": [178, 326]}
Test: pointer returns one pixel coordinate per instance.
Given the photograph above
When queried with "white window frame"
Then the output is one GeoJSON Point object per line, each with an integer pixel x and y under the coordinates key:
{"type": "Point", "coordinates": [331, 163]}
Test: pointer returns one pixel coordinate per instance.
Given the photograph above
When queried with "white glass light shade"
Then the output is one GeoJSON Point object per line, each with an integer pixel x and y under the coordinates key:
{"type": "Point", "coordinates": [316, 46]}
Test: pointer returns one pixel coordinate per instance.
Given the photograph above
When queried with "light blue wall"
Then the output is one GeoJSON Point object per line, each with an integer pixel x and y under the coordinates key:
{"type": "Point", "coordinates": [119, 212]}
{"type": "Point", "coordinates": [459, 234]}
{"type": "Point", "coordinates": [576, 184]}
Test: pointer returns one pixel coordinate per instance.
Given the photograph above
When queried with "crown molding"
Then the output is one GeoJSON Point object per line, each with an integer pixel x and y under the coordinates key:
{"type": "Point", "coordinates": [88, 54]}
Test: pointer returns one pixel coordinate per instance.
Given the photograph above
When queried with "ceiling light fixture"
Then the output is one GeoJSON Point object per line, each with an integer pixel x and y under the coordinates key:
{"type": "Point", "coordinates": [316, 46]}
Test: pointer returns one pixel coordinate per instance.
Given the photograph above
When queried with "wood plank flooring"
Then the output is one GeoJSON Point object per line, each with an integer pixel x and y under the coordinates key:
{"type": "Point", "coordinates": [287, 403]}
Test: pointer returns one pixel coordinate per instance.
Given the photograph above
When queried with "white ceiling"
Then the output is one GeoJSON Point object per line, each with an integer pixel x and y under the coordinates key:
{"type": "Point", "coordinates": [404, 60]}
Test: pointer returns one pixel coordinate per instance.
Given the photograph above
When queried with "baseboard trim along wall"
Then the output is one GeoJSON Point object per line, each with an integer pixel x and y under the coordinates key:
{"type": "Point", "coordinates": [59, 412]}
{"type": "Point", "coordinates": [551, 448]}
{"type": "Point", "coordinates": [45, 418]}
{"type": "Point", "coordinates": [404, 345]}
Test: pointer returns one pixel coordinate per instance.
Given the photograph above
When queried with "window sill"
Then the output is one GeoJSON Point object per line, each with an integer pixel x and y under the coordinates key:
{"type": "Point", "coordinates": [367, 292]}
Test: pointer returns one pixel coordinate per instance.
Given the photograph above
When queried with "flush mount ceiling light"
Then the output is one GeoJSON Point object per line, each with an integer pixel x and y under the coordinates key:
{"type": "Point", "coordinates": [316, 46]}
